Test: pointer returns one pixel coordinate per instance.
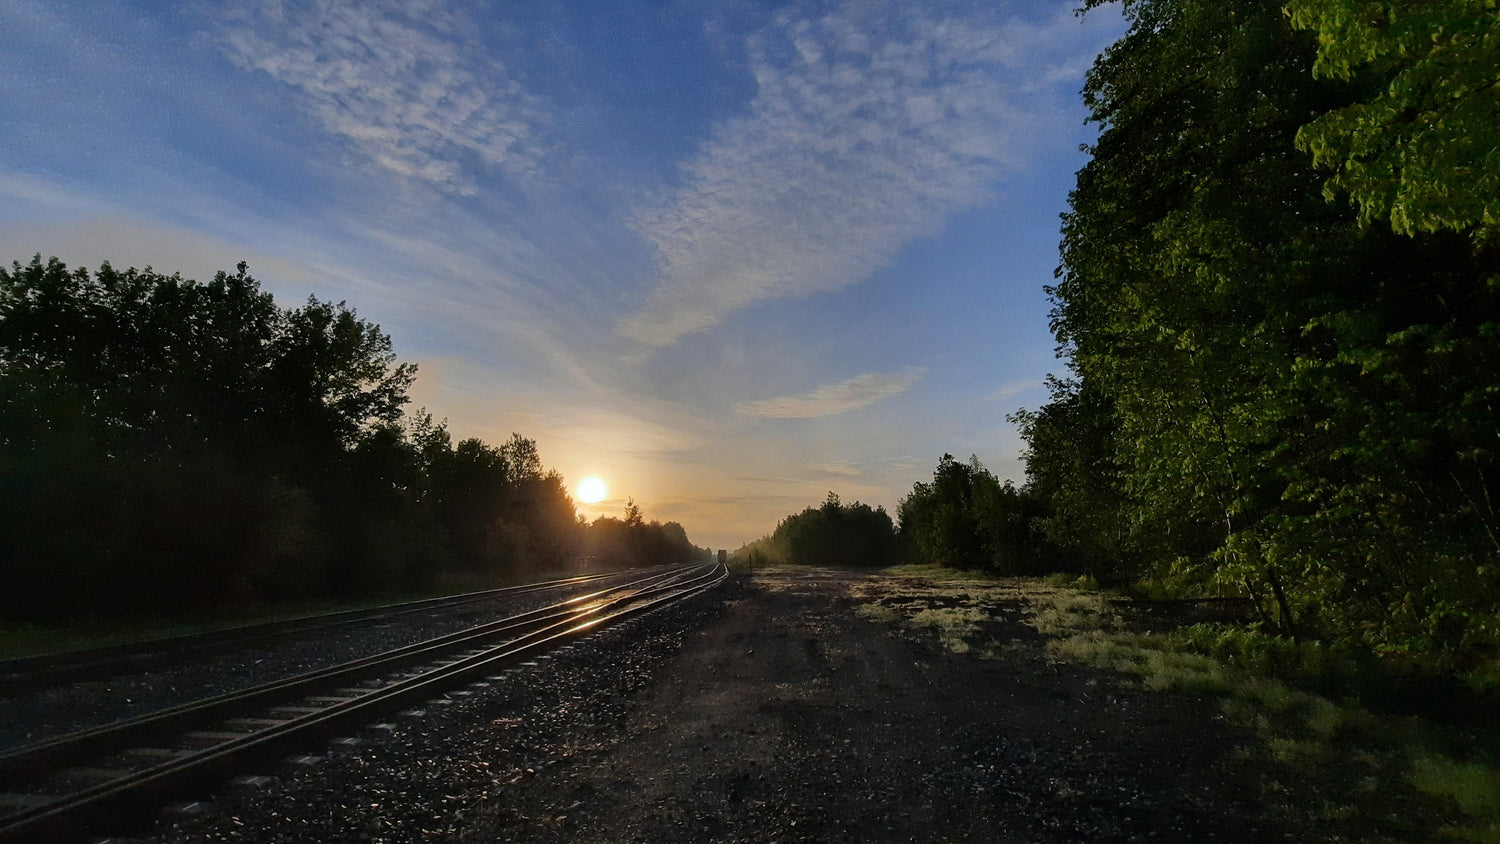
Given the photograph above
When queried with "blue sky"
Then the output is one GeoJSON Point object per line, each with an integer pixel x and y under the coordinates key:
{"type": "Point", "coordinates": [727, 256]}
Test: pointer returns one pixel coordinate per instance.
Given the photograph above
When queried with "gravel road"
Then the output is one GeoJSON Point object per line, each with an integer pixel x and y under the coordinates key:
{"type": "Point", "coordinates": [769, 710]}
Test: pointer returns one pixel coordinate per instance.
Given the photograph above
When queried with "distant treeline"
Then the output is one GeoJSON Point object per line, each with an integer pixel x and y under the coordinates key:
{"type": "Point", "coordinates": [167, 445]}
{"type": "Point", "coordinates": [966, 518]}
{"type": "Point", "coordinates": [1279, 303]}
{"type": "Point", "coordinates": [834, 534]}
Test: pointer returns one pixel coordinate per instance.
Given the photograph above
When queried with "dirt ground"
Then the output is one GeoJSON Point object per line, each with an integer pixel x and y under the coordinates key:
{"type": "Point", "coordinates": [796, 716]}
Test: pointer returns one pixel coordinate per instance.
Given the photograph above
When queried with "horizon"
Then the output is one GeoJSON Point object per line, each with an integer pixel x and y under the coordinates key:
{"type": "Point", "coordinates": [726, 258]}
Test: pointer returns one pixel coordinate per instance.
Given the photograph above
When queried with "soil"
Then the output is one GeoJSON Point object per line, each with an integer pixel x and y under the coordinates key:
{"type": "Point", "coordinates": [791, 717]}
{"type": "Point", "coordinates": [801, 705]}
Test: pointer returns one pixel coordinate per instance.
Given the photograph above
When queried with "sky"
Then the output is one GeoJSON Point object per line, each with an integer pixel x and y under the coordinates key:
{"type": "Point", "coordinates": [726, 255]}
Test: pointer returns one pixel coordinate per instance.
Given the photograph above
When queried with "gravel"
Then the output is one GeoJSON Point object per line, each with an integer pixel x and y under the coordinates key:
{"type": "Point", "coordinates": [76, 706]}
{"type": "Point", "coordinates": [428, 773]}
{"type": "Point", "coordinates": [767, 710]}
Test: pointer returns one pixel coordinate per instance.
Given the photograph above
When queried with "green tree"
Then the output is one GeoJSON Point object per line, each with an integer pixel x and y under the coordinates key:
{"type": "Point", "coordinates": [168, 443]}
{"type": "Point", "coordinates": [833, 534]}
{"type": "Point", "coordinates": [1076, 482]}
{"type": "Point", "coordinates": [1293, 398]}
{"type": "Point", "coordinates": [967, 518]}
{"type": "Point", "coordinates": [1421, 149]}
{"type": "Point", "coordinates": [633, 542]}
{"type": "Point", "coordinates": [336, 373]}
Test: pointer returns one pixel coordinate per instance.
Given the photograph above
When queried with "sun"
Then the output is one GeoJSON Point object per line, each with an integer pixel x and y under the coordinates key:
{"type": "Point", "coordinates": [591, 490]}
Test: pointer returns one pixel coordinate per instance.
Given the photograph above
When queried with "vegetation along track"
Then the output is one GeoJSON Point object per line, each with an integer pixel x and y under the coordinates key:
{"type": "Point", "coordinates": [120, 774]}
{"type": "Point", "coordinates": [33, 673]}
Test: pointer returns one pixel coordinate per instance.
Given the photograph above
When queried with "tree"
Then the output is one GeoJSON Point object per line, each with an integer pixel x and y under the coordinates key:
{"type": "Point", "coordinates": [169, 444]}
{"type": "Point", "coordinates": [616, 544]}
{"type": "Point", "coordinates": [1071, 468]}
{"type": "Point", "coordinates": [522, 460]}
{"type": "Point", "coordinates": [966, 518]}
{"type": "Point", "coordinates": [833, 534]}
{"type": "Point", "coordinates": [1293, 399]}
{"type": "Point", "coordinates": [1421, 146]}
{"type": "Point", "coordinates": [336, 373]}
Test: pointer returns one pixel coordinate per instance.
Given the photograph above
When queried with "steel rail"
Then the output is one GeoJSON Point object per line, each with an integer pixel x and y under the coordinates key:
{"type": "Point", "coordinates": [33, 673]}
{"type": "Point", "coordinates": [131, 798]}
{"type": "Point", "coordinates": [21, 765]}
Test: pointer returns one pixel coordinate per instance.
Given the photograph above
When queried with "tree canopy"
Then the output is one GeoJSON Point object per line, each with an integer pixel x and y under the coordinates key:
{"type": "Point", "coordinates": [833, 534]}
{"type": "Point", "coordinates": [1275, 298]}
{"type": "Point", "coordinates": [170, 445]}
{"type": "Point", "coordinates": [1420, 148]}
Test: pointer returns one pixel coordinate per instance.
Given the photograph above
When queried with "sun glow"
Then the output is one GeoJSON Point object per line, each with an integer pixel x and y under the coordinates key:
{"type": "Point", "coordinates": [591, 490]}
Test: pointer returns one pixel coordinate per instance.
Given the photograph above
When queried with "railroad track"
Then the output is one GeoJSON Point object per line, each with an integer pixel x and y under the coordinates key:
{"type": "Point", "coordinates": [118, 776]}
{"type": "Point", "coordinates": [26, 675]}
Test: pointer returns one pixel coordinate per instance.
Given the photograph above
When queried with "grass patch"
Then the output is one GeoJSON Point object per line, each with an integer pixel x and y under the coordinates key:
{"type": "Point", "coordinates": [1063, 612]}
{"type": "Point", "coordinates": [940, 574]}
{"type": "Point", "coordinates": [878, 612]}
{"type": "Point", "coordinates": [954, 625]}
{"type": "Point", "coordinates": [1474, 789]}
{"type": "Point", "coordinates": [955, 609]}
{"type": "Point", "coordinates": [1264, 684]}
{"type": "Point", "coordinates": [1302, 730]}
{"type": "Point", "coordinates": [1063, 580]}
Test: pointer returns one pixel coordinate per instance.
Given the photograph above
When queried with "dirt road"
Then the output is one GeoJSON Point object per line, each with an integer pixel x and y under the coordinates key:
{"type": "Point", "coordinates": [791, 716]}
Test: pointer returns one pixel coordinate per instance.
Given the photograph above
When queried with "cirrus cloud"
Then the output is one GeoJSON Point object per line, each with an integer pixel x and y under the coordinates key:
{"type": "Point", "coordinates": [871, 125]}
{"type": "Point", "coordinates": [857, 392]}
{"type": "Point", "coordinates": [401, 82]}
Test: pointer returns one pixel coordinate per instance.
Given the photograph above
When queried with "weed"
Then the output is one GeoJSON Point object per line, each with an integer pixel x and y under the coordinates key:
{"type": "Point", "coordinates": [1296, 752]}
{"type": "Point", "coordinates": [1297, 728]}
{"type": "Point", "coordinates": [1060, 612]}
{"type": "Point", "coordinates": [953, 625]}
{"type": "Point", "coordinates": [1474, 789]}
{"type": "Point", "coordinates": [939, 573]}
{"type": "Point", "coordinates": [1249, 673]}
{"type": "Point", "coordinates": [878, 612]}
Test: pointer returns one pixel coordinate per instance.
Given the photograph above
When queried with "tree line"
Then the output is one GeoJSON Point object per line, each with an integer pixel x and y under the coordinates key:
{"type": "Point", "coordinates": [168, 445]}
{"type": "Point", "coordinates": [965, 518]}
{"type": "Point", "coordinates": [1279, 303]}
{"type": "Point", "coordinates": [834, 533]}
{"type": "Point", "coordinates": [1279, 306]}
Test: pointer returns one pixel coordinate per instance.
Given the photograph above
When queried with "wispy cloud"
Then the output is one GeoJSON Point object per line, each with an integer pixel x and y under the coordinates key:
{"type": "Point", "coordinates": [870, 126]}
{"type": "Point", "coordinates": [404, 83]}
{"type": "Point", "coordinates": [843, 470]}
{"type": "Point", "coordinates": [1012, 390]}
{"type": "Point", "coordinates": [853, 394]}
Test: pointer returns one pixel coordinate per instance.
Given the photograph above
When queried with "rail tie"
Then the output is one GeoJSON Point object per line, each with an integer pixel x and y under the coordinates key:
{"type": "Point", "coordinates": [314, 707]}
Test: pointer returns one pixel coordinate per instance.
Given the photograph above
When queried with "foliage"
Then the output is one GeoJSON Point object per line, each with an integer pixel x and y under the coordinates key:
{"type": "Point", "coordinates": [170, 445]}
{"type": "Point", "coordinates": [834, 534]}
{"type": "Point", "coordinates": [967, 519]}
{"type": "Point", "coordinates": [611, 543]}
{"type": "Point", "coordinates": [1070, 465]}
{"type": "Point", "coordinates": [1422, 148]}
{"type": "Point", "coordinates": [1271, 396]}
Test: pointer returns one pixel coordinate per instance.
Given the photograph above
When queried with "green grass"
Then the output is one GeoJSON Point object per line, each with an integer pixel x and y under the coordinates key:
{"type": "Point", "coordinates": [1266, 685]}
{"type": "Point", "coordinates": [1473, 788]}
{"type": "Point", "coordinates": [879, 612]}
{"type": "Point", "coordinates": [939, 573]}
{"type": "Point", "coordinates": [953, 625]}
{"type": "Point", "coordinates": [1299, 729]}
